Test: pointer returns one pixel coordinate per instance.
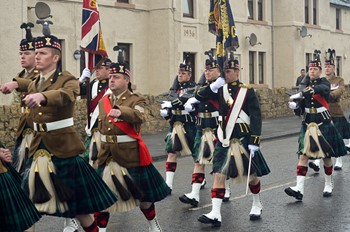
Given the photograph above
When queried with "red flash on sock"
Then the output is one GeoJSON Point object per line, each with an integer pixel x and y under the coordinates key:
{"type": "Point", "coordinates": [149, 213]}
{"type": "Point", "coordinates": [198, 178]}
{"type": "Point", "coordinates": [328, 170]}
{"type": "Point", "coordinates": [170, 166]}
{"type": "Point", "coordinates": [92, 228]}
{"type": "Point", "coordinates": [301, 170]}
{"type": "Point", "coordinates": [218, 193]}
{"type": "Point", "coordinates": [102, 219]}
{"type": "Point", "coordinates": [255, 189]}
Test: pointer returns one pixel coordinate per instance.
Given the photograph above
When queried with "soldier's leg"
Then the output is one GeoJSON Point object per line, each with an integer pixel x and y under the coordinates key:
{"type": "Point", "coordinates": [198, 175]}
{"type": "Point", "coordinates": [254, 186]}
{"type": "Point", "coordinates": [102, 218]}
{"type": "Point", "coordinates": [87, 222]}
{"type": "Point", "coordinates": [315, 165]}
{"type": "Point", "coordinates": [297, 191]}
{"type": "Point", "coordinates": [170, 167]}
{"type": "Point", "coordinates": [328, 170]}
{"type": "Point", "coordinates": [338, 163]}
{"type": "Point", "coordinates": [227, 190]}
{"type": "Point", "coordinates": [70, 225]}
{"type": "Point", "coordinates": [148, 209]}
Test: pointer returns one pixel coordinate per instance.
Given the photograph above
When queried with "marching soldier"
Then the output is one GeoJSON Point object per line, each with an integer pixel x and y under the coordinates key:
{"type": "Point", "coordinates": [59, 181]}
{"type": "Point", "coordinates": [206, 102]}
{"type": "Point", "coordinates": [318, 139]}
{"type": "Point", "coordinates": [124, 159]}
{"type": "Point", "coordinates": [182, 128]}
{"type": "Point", "coordinates": [237, 154]}
{"type": "Point", "coordinates": [98, 88]}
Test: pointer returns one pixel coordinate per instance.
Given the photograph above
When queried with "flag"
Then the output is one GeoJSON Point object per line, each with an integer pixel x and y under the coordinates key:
{"type": "Point", "coordinates": [222, 24]}
{"type": "Point", "coordinates": [91, 34]}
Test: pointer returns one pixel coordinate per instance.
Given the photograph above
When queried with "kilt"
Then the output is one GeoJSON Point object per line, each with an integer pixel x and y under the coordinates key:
{"type": "Point", "coordinates": [197, 143]}
{"type": "Point", "coordinates": [258, 167]}
{"type": "Point", "coordinates": [190, 129]}
{"type": "Point", "coordinates": [87, 146]}
{"type": "Point", "coordinates": [149, 180]}
{"type": "Point", "coordinates": [330, 133]}
{"type": "Point", "coordinates": [17, 212]}
{"type": "Point", "coordinates": [342, 126]}
{"type": "Point", "coordinates": [91, 194]}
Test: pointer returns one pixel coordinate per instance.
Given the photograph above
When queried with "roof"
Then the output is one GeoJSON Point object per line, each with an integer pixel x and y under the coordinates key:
{"type": "Point", "coordinates": [343, 3]}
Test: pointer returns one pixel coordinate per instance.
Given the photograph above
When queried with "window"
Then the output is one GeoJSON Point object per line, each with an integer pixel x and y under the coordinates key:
{"type": "Point", "coordinates": [306, 11]}
{"type": "Point", "coordinates": [308, 58]}
{"type": "Point", "coordinates": [251, 67]}
{"type": "Point", "coordinates": [337, 19]}
{"type": "Point", "coordinates": [123, 1]}
{"type": "Point", "coordinates": [261, 67]}
{"type": "Point", "coordinates": [187, 8]}
{"type": "Point", "coordinates": [314, 12]}
{"type": "Point", "coordinates": [126, 52]}
{"type": "Point", "coordinates": [250, 9]}
{"type": "Point", "coordinates": [260, 10]}
{"type": "Point", "coordinates": [338, 66]}
{"type": "Point", "coordinates": [191, 57]}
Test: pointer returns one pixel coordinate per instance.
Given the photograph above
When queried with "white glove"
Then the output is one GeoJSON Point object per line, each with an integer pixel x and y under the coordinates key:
{"type": "Point", "coordinates": [166, 104]}
{"type": "Point", "coordinates": [293, 105]}
{"type": "Point", "coordinates": [188, 107]}
{"type": "Point", "coordinates": [86, 74]}
{"type": "Point", "coordinates": [296, 96]}
{"type": "Point", "coordinates": [164, 113]}
{"type": "Point", "coordinates": [217, 84]}
{"type": "Point", "coordinates": [252, 149]}
{"type": "Point", "coordinates": [192, 100]}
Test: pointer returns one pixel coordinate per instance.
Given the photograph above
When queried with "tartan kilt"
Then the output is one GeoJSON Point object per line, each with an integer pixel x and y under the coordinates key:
{"type": "Point", "coordinates": [190, 129]}
{"type": "Point", "coordinates": [17, 212]}
{"type": "Point", "coordinates": [91, 194]}
{"type": "Point", "coordinates": [330, 133]}
{"type": "Point", "coordinates": [259, 165]}
{"type": "Point", "coordinates": [87, 145]}
{"type": "Point", "coordinates": [197, 143]}
{"type": "Point", "coordinates": [342, 126]}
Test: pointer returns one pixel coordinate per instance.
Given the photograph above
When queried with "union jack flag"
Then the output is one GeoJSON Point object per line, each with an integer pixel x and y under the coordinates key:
{"type": "Point", "coordinates": [91, 34]}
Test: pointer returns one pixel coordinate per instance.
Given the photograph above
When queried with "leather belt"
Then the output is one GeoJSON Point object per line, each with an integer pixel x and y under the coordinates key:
{"type": "Point", "coordinates": [209, 114]}
{"type": "Point", "coordinates": [315, 110]}
{"type": "Point", "coordinates": [50, 126]}
{"type": "Point", "coordinates": [117, 138]}
{"type": "Point", "coordinates": [179, 112]}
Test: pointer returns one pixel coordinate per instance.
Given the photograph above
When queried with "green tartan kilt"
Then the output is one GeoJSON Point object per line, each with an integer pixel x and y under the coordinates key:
{"type": "Point", "coordinates": [91, 194]}
{"type": "Point", "coordinates": [190, 135]}
{"type": "Point", "coordinates": [330, 133]}
{"type": "Point", "coordinates": [196, 146]}
{"type": "Point", "coordinates": [17, 212]}
{"type": "Point", "coordinates": [87, 145]}
{"type": "Point", "coordinates": [149, 180]}
{"type": "Point", "coordinates": [259, 165]}
{"type": "Point", "coordinates": [342, 126]}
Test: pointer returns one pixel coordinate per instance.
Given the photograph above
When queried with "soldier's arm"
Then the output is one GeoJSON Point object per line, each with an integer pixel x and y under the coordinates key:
{"type": "Point", "coordinates": [255, 117]}
{"type": "Point", "coordinates": [337, 93]}
{"type": "Point", "coordinates": [134, 114]}
{"type": "Point", "coordinates": [323, 87]}
{"type": "Point", "coordinates": [67, 93]}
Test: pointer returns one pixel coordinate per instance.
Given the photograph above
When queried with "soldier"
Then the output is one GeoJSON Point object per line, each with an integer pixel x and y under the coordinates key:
{"type": "Point", "coordinates": [98, 88]}
{"type": "Point", "coordinates": [206, 102]}
{"type": "Point", "coordinates": [59, 181]}
{"type": "Point", "coordinates": [239, 132]}
{"type": "Point", "coordinates": [182, 129]}
{"type": "Point", "coordinates": [17, 212]}
{"type": "Point", "coordinates": [124, 159]}
{"type": "Point", "coordinates": [318, 137]}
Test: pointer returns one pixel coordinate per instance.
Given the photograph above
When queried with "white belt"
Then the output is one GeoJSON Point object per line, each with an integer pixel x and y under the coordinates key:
{"type": "Point", "coordinates": [315, 110]}
{"type": "Point", "coordinates": [50, 126]}
{"type": "Point", "coordinates": [179, 112]}
{"type": "Point", "coordinates": [117, 138]}
{"type": "Point", "coordinates": [209, 114]}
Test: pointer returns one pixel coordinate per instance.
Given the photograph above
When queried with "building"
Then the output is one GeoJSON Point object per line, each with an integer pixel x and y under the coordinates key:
{"type": "Point", "coordinates": [277, 37]}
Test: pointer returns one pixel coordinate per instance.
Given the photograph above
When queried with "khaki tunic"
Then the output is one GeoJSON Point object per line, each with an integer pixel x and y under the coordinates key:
{"type": "Point", "coordinates": [337, 90]}
{"type": "Point", "coordinates": [61, 96]}
{"type": "Point", "coordinates": [125, 154]}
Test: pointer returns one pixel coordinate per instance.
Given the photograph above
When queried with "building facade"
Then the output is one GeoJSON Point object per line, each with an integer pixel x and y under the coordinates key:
{"type": "Point", "coordinates": [276, 37]}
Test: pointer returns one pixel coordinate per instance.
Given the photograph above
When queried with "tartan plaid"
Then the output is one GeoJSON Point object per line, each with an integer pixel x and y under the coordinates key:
{"type": "Point", "coordinates": [259, 165]}
{"type": "Point", "coordinates": [196, 146]}
{"type": "Point", "coordinates": [17, 211]}
{"type": "Point", "coordinates": [91, 192]}
{"type": "Point", "coordinates": [190, 135]}
{"type": "Point", "coordinates": [87, 145]}
{"type": "Point", "coordinates": [330, 133]}
{"type": "Point", "coordinates": [342, 126]}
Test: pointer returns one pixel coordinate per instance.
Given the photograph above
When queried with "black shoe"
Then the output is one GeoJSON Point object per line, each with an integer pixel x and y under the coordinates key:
{"type": "Point", "coordinates": [186, 200]}
{"type": "Point", "coordinates": [327, 194]}
{"type": "Point", "coordinates": [214, 222]}
{"type": "Point", "coordinates": [203, 183]}
{"type": "Point", "coordinates": [337, 168]}
{"type": "Point", "coordinates": [297, 194]}
{"type": "Point", "coordinates": [226, 199]}
{"type": "Point", "coordinates": [169, 193]}
{"type": "Point", "coordinates": [314, 166]}
{"type": "Point", "coordinates": [254, 217]}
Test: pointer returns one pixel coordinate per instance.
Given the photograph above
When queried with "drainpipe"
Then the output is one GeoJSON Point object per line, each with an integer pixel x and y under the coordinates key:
{"type": "Point", "coordinates": [273, 43]}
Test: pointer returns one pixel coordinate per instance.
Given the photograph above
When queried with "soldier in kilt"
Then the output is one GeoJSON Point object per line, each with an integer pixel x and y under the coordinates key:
{"type": "Point", "coordinates": [318, 138]}
{"type": "Point", "coordinates": [17, 212]}
{"type": "Point", "coordinates": [124, 160]}
{"type": "Point", "coordinates": [237, 154]}
{"type": "Point", "coordinates": [98, 87]}
{"type": "Point", "coordinates": [182, 124]}
{"type": "Point", "coordinates": [206, 102]}
{"type": "Point", "coordinates": [58, 180]}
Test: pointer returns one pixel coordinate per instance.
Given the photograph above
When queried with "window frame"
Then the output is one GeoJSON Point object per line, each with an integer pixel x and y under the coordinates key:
{"type": "Point", "coordinates": [306, 11]}
{"type": "Point", "coordinates": [338, 19]}
{"type": "Point", "coordinates": [190, 4]}
{"type": "Point", "coordinates": [261, 67]}
{"type": "Point", "coordinates": [252, 67]}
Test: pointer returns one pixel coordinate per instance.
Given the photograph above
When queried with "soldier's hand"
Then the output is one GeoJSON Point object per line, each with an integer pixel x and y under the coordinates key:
{"type": "Point", "coordinates": [166, 104]}
{"type": "Point", "coordinates": [296, 96]}
{"type": "Point", "coordinates": [114, 113]}
{"type": "Point", "coordinates": [293, 105]}
{"type": "Point", "coordinates": [217, 84]}
{"type": "Point", "coordinates": [86, 74]}
{"type": "Point", "coordinates": [8, 87]}
{"type": "Point", "coordinates": [34, 100]}
{"type": "Point", "coordinates": [5, 155]}
{"type": "Point", "coordinates": [192, 100]}
{"type": "Point", "coordinates": [308, 90]}
{"type": "Point", "coordinates": [189, 107]}
{"type": "Point", "coordinates": [164, 113]}
{"type": "Point", "coordinates": [252, 149]}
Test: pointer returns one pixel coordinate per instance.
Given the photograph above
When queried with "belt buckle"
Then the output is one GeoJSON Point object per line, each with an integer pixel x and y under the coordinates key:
{"type": "Point", "coordinates": [206, 115]}
{"type": "Point", "coordinates": [41, 127]}
{"type": "Point", "coordinates": [313, 110]}
{"type": "Point", "coordinates": [177, 112]}
{"type": "Point", "coordinates": [111, 139]}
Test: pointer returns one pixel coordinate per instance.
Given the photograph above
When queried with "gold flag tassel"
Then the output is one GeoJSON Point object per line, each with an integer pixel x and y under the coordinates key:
{"type": "Point", "coordinates": [178, 137]}
{"type": "Point", "coordinates": [136, 192]}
